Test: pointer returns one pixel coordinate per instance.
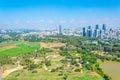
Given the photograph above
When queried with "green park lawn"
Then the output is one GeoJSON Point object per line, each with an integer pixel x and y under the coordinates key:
{"type": "Point", "coordinates": [21, 48]}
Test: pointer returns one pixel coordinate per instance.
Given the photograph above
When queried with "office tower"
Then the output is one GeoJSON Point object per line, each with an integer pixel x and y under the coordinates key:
{"type": "Point", "coordinates": [104, 27]}
{"type": "Point", "coordinates": [84, 32]}
{"type": "Point", "coordinates": [60, 30]}
{"type": "Point", "coordinates": [89, 27]}
{"type": "Point", "coordinates": [89, 33]}
{"type": "Point", "coordinates": [97, 26]}
{"type": "Point", "coordinates": [97, 33]}
{"type": "Point", "coordinates": [101, 33]}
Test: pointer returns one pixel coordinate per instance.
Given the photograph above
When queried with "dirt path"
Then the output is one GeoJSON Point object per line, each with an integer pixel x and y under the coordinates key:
{"type": "Point", "coordinates": [95, 73]}
{"type": "Point", "coordinates": [7, 72]}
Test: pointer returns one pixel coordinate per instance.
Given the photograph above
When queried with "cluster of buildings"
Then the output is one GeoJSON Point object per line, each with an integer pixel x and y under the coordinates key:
{"type": "Point", "coordinates": [41, 33]}
{"type": "Point", "coordinates": [69, 32]}
{"type": "Point", "coordinates": [93, 32]}
{"type": "Point", "coordinates": [101, 32]}
{"type": "Point", "coordinates": [96, 32]}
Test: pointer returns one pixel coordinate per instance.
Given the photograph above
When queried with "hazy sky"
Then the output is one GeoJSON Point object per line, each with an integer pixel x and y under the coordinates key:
{"type": "Point", "coordinates": [48, 14]}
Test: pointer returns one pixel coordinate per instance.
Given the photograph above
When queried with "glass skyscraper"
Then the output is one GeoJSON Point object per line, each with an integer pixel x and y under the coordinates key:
{"type": "Point", "coordinates": [60, 30]}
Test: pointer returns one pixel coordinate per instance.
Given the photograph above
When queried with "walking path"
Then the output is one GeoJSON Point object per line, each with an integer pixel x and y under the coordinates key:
{"type": "Point", "coordinates": [7, 72]}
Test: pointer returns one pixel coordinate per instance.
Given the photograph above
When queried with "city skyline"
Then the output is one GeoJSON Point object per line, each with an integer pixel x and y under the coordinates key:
{"type": "Point", "coordinates": [48, 14]}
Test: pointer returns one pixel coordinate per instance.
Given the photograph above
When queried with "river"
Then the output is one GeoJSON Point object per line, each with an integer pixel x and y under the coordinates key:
{"type": "Point", "coordinates": [112, 69]}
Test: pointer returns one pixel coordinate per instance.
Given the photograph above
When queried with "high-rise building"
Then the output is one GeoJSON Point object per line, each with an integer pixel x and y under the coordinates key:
{"type": "Point", "coordinates": [104, 28]}
{"type": "Point", "coordinates": [95, 33]}
{"type": "Point", "coordinates": [84, 32]}
{"type": "Point", "coordinates": [89, 27]}
{"type": "Point", "coordinates": [89, 33]}
{"type": "Point", "coordinates": [60, 30]}
{"type": "Point", "coordinates": [97, 26]}
{"type": "Point", "coordinates": [101, 34]}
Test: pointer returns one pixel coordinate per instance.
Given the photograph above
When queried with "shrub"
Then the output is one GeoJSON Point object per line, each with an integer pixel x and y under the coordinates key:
{"type": "Point", "coordinates": [48, 63]}
{"type": "Point", "coordinates": [53, 70]}
{"type": "Point", "coordinates": [34, 71]}
{"type": "Point", "coordinates": [77, 70]}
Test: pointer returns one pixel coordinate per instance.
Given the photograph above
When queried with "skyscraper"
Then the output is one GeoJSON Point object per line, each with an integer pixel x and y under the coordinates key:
{"type": "Point", "coordinates": [60, 30]}
{"type": "Point", "coordinates": [104, 28]}
{"type": "Point", "coordinates": [97, 26]}
{"type": "Point", "coordinates": [89, 33]}
{"type": "Point", "coordinates": [97, 31]}
{"type": "Point", "coordinates": [89, 27]}
{"type": "Point", "coordinates": [100, 34]}
{"type": "Point", "coordinates": [84, 32]}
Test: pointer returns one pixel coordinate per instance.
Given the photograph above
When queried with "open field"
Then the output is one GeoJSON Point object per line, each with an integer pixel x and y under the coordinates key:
{"type": "Point", "coordinates": [52, 45]}
{"type": "Point", "coordinates": [17, 48]}
{"type": "Point", "coordinates": [112, 69]}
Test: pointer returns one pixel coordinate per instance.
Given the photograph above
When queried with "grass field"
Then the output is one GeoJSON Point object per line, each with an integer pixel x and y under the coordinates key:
{"type": "Point", "coordinates": [16, 48]}
{"type": "Point", "coordinates": [52, 45]}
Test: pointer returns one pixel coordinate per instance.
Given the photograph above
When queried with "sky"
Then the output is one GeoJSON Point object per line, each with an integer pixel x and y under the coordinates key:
{"type": "Point", "coordinates": [49, 14]}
